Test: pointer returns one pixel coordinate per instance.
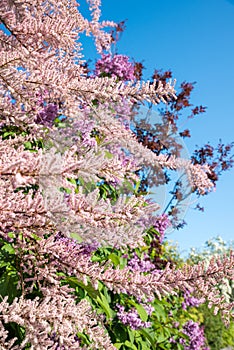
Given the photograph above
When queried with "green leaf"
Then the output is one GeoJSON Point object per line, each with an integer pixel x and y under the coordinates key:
{"type": "Point", "coordinates": [34, 236]}
{"type": "Point", "coordinates": [140, 309]}
{"type": "Point", "coordinates": [61, 125]}
{"type": "Point", "coordinates": [66, 190]}
{"type": "Point", "coordinates": [129, 186]}
{"type": "Point", "coordinates": [28, 145]}
{"type": "Point", "coordinates": [120, 332]}
{"type": "Point", "coordinates": [122, 262]}
{"type": "Point", "coordinates": [74, 282]}
{"type": "Point", "coordinates": [114, 258]}
{"type": "Point", "coordinates": [131, 334]}
{"type": "Point", "coordinates": [72, 181]}
{"type": "Point", "coordinates": [102, 288]}
{"type": "Point", "coordinates": [8, 133]}
{"type": "Point", "coordinates": [118, 345]}
{"type": "Point", "coordinates": [105, 306]}
{"type": "Point", "coordinates": [160, 312]}
{"type": "Point", "coordinates": [148, 336]}
{"type": "Point", "coordinates": [137, 186]}
{"type": "Point", "coordinates": [3, 263]}
{"type": "Point", "coordinates": [130, 345]}
{"type": "Point", "coordinates": [8, 283]}
{"type": "Point", "coordinates": [76, 237]}
{"type": "Point", "coordinates": [143, 345]}
{"type": "Point", "coordinates": [108, 155]}
{"type": "Point", "coordinates": [8, 249]}
{"type": "Point", "coordinates": [163, 335]}
{"type": "Point", "coordinates": [81, 292]}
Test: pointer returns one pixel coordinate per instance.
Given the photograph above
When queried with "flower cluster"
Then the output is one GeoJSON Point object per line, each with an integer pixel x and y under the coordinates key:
{"type": "Point", "coordinates": [159, 222]}
{"type": "Point", "coordinates": [52, 322]}
{"type": "Point", "coordinates": [47, 115]}
{"type": "Point", "coordinates": [132, 317]}
{"type": "Point", "coordinates": [117, 66]}
{"type": "Point", "coordinates": [196, 336]}
{"type": "Point", "coordinates": [71, 244]}
{"type": "Point", "coordinates": [143, 265]}
{"type": "Point", "coordinates": [190, 300]}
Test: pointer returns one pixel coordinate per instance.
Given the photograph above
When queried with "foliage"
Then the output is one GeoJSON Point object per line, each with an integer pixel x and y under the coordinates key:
{"type": "Point", "coordinates": [217, 334]}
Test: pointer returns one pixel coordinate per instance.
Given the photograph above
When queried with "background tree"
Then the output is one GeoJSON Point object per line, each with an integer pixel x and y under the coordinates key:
{"type": "Point", "coordinates": [162, 138]}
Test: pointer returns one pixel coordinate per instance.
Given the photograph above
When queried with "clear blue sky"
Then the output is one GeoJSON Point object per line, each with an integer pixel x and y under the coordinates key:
{"type": "Point", "coordinates": [195, 39]}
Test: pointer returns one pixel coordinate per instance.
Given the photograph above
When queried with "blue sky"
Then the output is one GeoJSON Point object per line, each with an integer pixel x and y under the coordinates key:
{"type": "Point", "coordinates": [195, 39]}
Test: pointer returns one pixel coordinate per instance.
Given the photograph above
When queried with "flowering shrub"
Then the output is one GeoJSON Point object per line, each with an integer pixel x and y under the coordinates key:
{"type": "Point", "coordinates": [82, 258]}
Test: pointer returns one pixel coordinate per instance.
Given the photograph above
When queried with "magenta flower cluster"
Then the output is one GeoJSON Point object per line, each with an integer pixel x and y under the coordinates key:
{"type": "Point", "coordinates": [196, 336]}
{"type": "Point", "coordinates": [160, 223]}
{"type": "Point", "coordinates": [117, 66]}
{"type": "Point", "coordinates": [85, 127]}
{"type": "Point", "coordinates": [72, 244]}
{"type": "Point", "coordinates": [132, 318]}
{"type": "Point", "coordinates": [190, 300]}
{"type": "Point", "coordinates": [47, 115]}
{"type": "Point", "coordinates": [142, 265]}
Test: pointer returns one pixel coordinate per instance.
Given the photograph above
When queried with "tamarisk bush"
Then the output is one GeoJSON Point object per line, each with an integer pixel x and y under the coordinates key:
{"type": "Point", "coordinates": [69, 178]}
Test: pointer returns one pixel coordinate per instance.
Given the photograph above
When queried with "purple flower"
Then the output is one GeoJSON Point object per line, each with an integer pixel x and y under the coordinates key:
{"type": "Point", "coordinates": [176, 324]}
{"type": "Point", "coordinates": [131, 318]}
{"type": "Point", "coordinates": [115, 66]}
{"type": "Point", "coordinates": [182, 341]}
{"type": "Point", "coordinates": [196, 336]}
{"type": "Point", "coordinates": [47, 115]}
{"type": "Point", "coordinates": [148, 308]}
{"type": "Point", "coordinates": [160, 223]}
{"type": "Point", "coordinates": [142, 265]}
{"type": "Point", "coordinates": [189, 300]}
{"type": "Point", "coordinates": [72, 244]}
{"type": "Point", "coordinates": [55, 338]}
{"type": "Point", "coordinates": [172, 340]}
